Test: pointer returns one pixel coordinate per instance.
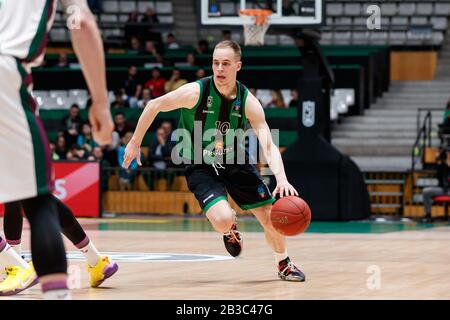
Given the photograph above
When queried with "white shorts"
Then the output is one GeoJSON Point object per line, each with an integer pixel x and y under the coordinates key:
{"type": "Point", "coordinates": [25, 163]}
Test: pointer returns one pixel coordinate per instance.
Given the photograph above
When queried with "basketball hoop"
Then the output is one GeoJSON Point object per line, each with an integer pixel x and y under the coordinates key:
{"type": "Point", "coordinates": [255, 31]}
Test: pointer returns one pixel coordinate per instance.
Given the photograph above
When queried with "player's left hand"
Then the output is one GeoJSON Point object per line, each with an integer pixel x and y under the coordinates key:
{"type": "Point", "coordinates": [284, 188]}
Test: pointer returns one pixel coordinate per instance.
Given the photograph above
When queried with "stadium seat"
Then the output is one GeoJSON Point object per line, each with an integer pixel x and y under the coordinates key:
{"type": "Point", "coordinates": [407, 9]}
{"type": "Point", "coordinates": [419, 20]}
{"type": "Point", "coordinates": [165, 19]}
{"type": "Point", "coordinates": [388, 9]}
{"type": "Point", "coordinates": [360, 37]}
{"type": "Point", "coordinates": [441, 9]}
{"type": "Point", "coordinates": [352, 9]}
{"type": "Point", "coordinates": [379, 38]}
{"type": "Point", "coordinates": [111, 18]}
{"type": "Point", "coordinates": [397, 38]}
{"type": "Point", "coordinates": [343, 37]}
{"type": "Point", "coordinates": [335, 9]}
{"type": "Point", "coordinates": [399, 21]}
{"type": "Point", "coordinates": [343, 21]}
{"type": "Point", "coordinates": [144, 5]}
{"type": "Point", "coordinates": [127, 6]}
{"type": "Point", "coordinates": [58, 93]}
{"type": "Point", "coordinates": [58, 34]}
{"type": "Point", "coordinates": [110, 6]}
{"type": "Point", "coordinates": [123, 18]}
{"type": "Point", "coordinates": [439, 23]}
{"type": "Point", "coordinates": [424, 9]}
{"type": "Point", "coordinates": [163, 7]}
{"type": "Point", "coordinates": [437, 38]}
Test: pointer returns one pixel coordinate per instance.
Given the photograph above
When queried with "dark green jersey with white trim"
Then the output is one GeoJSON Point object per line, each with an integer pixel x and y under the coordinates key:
{"type": "Point", "coordinates": [217, 123]}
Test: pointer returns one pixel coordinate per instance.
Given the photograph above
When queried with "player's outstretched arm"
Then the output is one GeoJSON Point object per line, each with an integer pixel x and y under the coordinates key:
{"type": "Point", "coordinates": [184, 97]}
{"type": "Point", "coordinates": [255, 114]}
{"type": "Point", "coordinates": [88, 46]}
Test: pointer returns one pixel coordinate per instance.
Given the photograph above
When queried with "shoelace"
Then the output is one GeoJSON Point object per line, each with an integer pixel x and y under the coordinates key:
{"type": "Point", "coordinates": [232, 236]}
{"type": "Point", "coordinates": [217, 165]}
{"type": "Point", "coordinates": [290, 267]}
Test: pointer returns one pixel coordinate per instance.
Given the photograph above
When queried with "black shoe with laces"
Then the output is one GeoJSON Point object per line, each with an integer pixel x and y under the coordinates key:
{"type": "Point", "coordinates": [233, 241]}
{"type": "Point", "coordinates": [289, 272]}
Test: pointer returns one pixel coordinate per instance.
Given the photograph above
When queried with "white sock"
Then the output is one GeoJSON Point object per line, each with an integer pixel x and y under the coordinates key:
{"type": "Point", "coordinates": [280, 256]}
{"type": "Point", "coordinates": [59, 294]}
{"type": "Point", "coordinates": [91, 253]}
{"type": "Point", "coordinates": [9, 257]}
{"type": "Point", "coordinates": [17, 248]}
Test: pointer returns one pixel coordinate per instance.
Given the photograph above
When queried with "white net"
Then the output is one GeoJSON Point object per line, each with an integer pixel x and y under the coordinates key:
{"type": "Point", "coordinates": [254, 34]}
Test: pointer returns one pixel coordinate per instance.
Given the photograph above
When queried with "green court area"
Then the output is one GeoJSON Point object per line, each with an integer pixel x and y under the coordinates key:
{"type": "Point", "coordinates": [251, 225]}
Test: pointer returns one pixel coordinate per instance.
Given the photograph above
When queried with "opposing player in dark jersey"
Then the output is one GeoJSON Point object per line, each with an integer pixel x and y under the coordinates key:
{"type": "Point", "coordinates": [213, 110]}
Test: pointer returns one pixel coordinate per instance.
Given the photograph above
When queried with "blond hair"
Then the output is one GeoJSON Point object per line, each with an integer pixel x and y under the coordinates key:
{"type": "Point", "coordinates": [230, 44]}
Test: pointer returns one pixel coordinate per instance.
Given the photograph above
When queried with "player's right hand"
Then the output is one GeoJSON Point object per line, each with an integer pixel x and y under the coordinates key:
{"type": "Point", "coordinates": [102, 123]}
{"type": "Point", "coordinates": [132, 151]}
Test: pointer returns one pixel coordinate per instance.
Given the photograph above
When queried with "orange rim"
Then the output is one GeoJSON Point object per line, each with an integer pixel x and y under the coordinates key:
{"type": "Point", "coordinates": [261, 15]}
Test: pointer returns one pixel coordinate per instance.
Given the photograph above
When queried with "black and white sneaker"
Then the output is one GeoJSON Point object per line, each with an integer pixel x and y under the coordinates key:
{"type": "Point", "coordinates": [233, 241]}
{"type": "Point", "coordinates": [289, 272]}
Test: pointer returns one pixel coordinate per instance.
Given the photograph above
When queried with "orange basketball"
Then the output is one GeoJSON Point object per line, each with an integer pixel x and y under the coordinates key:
{"type": "Point", "coordinates": [290, 215]}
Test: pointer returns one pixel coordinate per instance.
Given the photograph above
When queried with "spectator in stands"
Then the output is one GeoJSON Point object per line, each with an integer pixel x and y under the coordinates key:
{"type": "Point", "coordinates": [190, 60]}
{"type": "Point", "coordinates": [121, 126]}
{"type": "Point", "coordinates": [133, 16]}
{"type": "Point", "coordinates": [146, 97]}
{"type": "Point", "coordinates": [126, 176]}
{"type": "Point", "coordinates": [71, 125]}
{"type": "Point", "coordinates": [202, 47]}
{"type": "Point", "coordinates": [294, 98]}
{"type": "Point", "coordinates": [85, 139]}
{"type": "Point", "coordinates": [443, 176]}
{"type": "Point", "coordinates": [63, 62]}
{"type": "Point", "coordinates": [150, 49]}
{"type": "Point", "coordinates": [175, 81]}
{"type": "Point", "coordinates": [132, 87]}
{"type": "Point", "coordinates": [135, 45]}
{"type": "Point", "coordinates": [168, 129]}
{"type": "Point", "coordinates": [172, 42]}
{"type": "Point", "coordinates": [226, 35]}
{"type": "Point", "coordinates": [61, 147]}
{"type": "Point", "coordinates": [277, 100]}
{"type": "Point", "coordinates": [120, 100]}
{"type": "Point", "coordinates": [201, 73]}
{"type": "Point", "coordinates": [150, 16]}
{"type": "Point", "coordinates": [156, 83]}
{"type": "Point", "coordinates": [77, 153]}
{"type": "Point", "coordinates": [160, 150]}
{"type": "Point", "coordinates": [53, 153]}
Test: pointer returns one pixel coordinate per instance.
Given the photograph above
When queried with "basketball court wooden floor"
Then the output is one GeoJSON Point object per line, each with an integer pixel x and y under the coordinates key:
{"type": "Point", "coordinates": [175, 258]}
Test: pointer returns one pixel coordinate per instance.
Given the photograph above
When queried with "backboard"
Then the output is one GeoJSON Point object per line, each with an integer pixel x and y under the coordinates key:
{"type": "Point", "coordinates": [286, 13]}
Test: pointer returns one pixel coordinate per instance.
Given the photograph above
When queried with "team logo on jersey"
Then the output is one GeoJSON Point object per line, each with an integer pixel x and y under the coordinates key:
{"type": "Point", "coordinates": [209, 102]}
{"type": "Point", "coordinates": [261, 191]}
{"type": "Point", "coordinates": [237, 105]}
{"type": "Point", "coordinates": [236, 108]}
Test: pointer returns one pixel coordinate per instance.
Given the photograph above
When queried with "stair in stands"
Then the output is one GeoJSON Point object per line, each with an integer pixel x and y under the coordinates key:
{"type": "Point", "coordinates": [382, 139]}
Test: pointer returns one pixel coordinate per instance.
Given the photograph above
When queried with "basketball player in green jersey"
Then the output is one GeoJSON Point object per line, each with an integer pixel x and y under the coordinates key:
{"type": "Point", "coordinates": [221, 103]}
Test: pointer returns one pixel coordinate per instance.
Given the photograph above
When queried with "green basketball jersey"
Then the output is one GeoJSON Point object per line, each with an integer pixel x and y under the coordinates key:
{"type": "Point", "coordinates": [216, 123]}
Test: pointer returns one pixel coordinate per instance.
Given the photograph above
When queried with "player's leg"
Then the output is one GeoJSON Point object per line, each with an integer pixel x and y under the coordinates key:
{"type": "Point", "coordinates": [12, 225]}
{"type": "Point", "coordinates": [286, 269]}
{"type": "Point", "coordinates": [100, 267]}
{"type": "Point", "coordinates": [212, 196]}
{"type": "Point", "coordinates": [247, 188]}
{"type": "Point", "coordinates": [49, 256]}
{"type": "Point", "coordinates": [25, 168]}
{"type": "Point", "coordinates": [19, 274]}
